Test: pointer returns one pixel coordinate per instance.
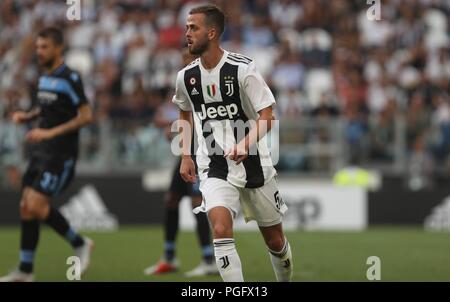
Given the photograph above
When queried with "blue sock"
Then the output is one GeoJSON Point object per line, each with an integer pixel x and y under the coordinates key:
{"type": "Point", "coordinates": [169, 250]}
{"type": "Point", "coordinates": [26, 261]}
{"type": "Point", "coordinates": [208, 253]}
{"type": "Point", "coordinates": [57, 222]}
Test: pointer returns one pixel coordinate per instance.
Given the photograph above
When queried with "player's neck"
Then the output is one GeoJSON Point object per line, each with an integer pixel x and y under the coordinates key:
{"type": "Point", "coordinates": [212, 57]}
{"type": "Point", "coordinates": [56, 64]}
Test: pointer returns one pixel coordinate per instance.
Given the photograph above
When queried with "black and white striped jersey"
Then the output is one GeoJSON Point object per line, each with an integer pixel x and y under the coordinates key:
{"type": "Point", "coordinates": [225, 100]}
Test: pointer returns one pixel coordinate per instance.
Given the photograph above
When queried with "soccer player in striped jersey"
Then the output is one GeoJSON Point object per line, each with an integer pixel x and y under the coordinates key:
{"type": "Point", "coordinates": [230, 105]}
{"type": "Point", "coordinates": [62, 110]}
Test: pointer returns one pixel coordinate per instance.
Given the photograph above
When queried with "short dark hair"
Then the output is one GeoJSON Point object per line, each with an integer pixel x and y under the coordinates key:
{"type": "Point", "coordinates": [54, 33]}
{"type": "Point", "coordinates": [213, 16]}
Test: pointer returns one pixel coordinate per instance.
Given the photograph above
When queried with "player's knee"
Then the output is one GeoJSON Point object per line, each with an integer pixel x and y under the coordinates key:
{"type": "Point", "coordinates": [25, 212]}
{"type": "Point", "coordinates": [37, 210]}
{"type": "Point", "coordinates": [222, 231]}
{"type": "Point", "coordinates": [275, 243]}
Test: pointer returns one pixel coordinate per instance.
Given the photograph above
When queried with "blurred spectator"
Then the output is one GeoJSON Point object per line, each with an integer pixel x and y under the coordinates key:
{"type": "Point", "coordinates": [441, 119]}
{"type": "Point", "coordinates": [420, 165]}
{"type": "Point", "coordinates": [291, 104]}
{"type": "Point", "coordinates": [106, 48]}
{"type": "Point", "coordinates": [327, 107]}
{"type": "Point", "coordinates": [289, 72]}
{"type": "Point", "coordinates": [10, 141]}
{"type": "Point", "coordinates": [382, 133]}
{"type": "Point", "coordinates": [356, 134]}
{"type": "Point", "coordinates": [417, 120]}
{"type": "Point", "coordinates": [258, 33]}
{"type": "Point", "coordinates": [285, 13]}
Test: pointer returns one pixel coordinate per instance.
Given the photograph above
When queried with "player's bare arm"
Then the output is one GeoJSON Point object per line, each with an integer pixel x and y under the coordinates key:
{"type": "Point", "coordinates": [84, 117]}
{"type": "Point", "coordinates": [187, 168]}
{"type": "Point", "coordinates": [20, 117]}
{"type": "Point", "coordinates": [239, 151]}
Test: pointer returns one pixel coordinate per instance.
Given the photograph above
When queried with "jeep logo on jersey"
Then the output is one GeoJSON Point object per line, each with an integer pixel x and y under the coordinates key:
{"type": "Point", "coordinates": [220, 111]}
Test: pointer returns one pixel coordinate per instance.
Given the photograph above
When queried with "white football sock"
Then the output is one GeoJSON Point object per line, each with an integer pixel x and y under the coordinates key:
{"type": "Point", "coordinates": [227, 260]}
{"type": "Point", "coordinates": [282, 263]}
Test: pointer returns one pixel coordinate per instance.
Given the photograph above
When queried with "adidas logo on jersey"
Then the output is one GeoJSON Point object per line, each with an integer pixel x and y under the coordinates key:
{"type": "Point", "coordinates": [194, 91]}
{"type": "Point", "coordinates": [220, 111]}
{"type": "Point", "coordinates": [87, 211]}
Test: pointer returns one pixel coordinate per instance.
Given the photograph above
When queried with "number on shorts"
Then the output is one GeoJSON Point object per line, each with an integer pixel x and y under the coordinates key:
{"type": "Point", "coordinates": [49, 181]}
{"type": "Point", "coordinates": [278, 200]}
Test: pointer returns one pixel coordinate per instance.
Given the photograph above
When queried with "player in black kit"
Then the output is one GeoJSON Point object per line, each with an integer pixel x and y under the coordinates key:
{"type": "Point", "coordinates": [62, 109]}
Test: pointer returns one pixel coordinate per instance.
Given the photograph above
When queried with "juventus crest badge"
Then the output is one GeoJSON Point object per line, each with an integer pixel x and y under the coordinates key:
{"type": "Point", "coordinates": [229, 80]}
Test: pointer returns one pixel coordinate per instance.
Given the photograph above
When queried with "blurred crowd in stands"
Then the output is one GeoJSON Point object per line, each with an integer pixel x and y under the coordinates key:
{"type": "Point", "coordinates": [324, 60]}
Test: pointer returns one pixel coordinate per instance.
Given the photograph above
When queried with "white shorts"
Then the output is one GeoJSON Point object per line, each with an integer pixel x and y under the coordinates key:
{"type": "Point", "coordinates": [264, 204]}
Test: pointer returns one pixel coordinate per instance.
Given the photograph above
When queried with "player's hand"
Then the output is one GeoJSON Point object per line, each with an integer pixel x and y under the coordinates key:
{"type": "Point", "coordinates": [19, 117]}
{"type": "Point", "coordinates": [237, 153]}
{"type": "Point", "coordinates": [38, 135]}
{"type": "Point", "coordinates": [187, 169]}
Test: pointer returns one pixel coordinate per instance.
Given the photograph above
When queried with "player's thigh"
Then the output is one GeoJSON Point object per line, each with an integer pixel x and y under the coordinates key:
{"type": "Point", "coordinates": [264, 204]}
{"type": "Point", "coordinates": [30, 175]}
{"type": "Point", "coordinates": [25, 212]}
{"type": "Point", "coordinates": [34, 204]}
{"type": "Point", "coordinates": [51, 178]}
{"type": "Point", "coordinates": [219, 193]}
{"type": "Point", "coordinates": [177, 184]}
{"type": "Point", "coordinates": [177, 189]}
{"type": "Point", "coordinates": [172, 199]}
{"type": "Point", "coordinates": [31, 203]}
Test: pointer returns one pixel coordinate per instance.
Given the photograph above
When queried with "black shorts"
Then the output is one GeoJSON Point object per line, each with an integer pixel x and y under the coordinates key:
{"type": "Point", "coordinates": [49, 177]}
{"type": "Point", "coordinates": [178, 185]}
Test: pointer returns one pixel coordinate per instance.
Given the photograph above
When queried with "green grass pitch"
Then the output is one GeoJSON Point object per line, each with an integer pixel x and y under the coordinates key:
{"type": "Point", "coordinates": [406, 254]}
